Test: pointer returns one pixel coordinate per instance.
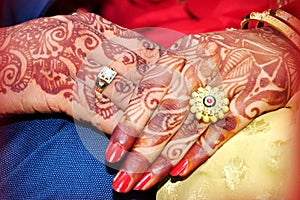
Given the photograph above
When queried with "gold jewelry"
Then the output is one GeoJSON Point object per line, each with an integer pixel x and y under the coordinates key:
{"type": "Point", "coordinates": [104, 78]}
{"type": "Point", "coordinates": [289, 19]}
{"type": "Point", "coordinates": [209, 104]}
{"type": "Point", "coordinates": [274, 22]}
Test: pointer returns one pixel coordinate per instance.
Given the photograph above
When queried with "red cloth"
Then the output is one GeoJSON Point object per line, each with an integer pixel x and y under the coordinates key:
{"type": "Point", "coordinates": [189, 16]}
{"type": "Point", "coordinates": [293, 8]}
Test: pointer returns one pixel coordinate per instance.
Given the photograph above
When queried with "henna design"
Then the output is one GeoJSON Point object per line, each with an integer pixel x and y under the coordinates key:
{"type": "Point", "coordinates": [253, 72]}
{"type": "Point", "coordinates": [105, 108]}
{"type": "Point", "coordinates": [122, 86]}
{"type": "Point", "coordinates": [100, 23]}
{"type": "Point", "coordinates": [50, 58]}
{"type": "Point", "coordinates": [113, 51]}
{"type": "Point", "coordinates": [186, 136]}
{"type": "Point", "coordinates": [38, 42]}
{"type": "Point", "coordinates": [13, 74]}
{"type": "Point", "coordinates": [267, 86]}
{"type": "Point", "coordinates": [152, 88]}
{"type": "Point", "coordinates": [53, 76]}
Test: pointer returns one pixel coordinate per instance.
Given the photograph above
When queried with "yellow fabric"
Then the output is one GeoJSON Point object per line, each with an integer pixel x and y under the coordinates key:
{"type": "Point", "coordinates": [254, 164]}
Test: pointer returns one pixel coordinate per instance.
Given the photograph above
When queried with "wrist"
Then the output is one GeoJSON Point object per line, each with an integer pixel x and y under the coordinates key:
{"type": "Point", "coordinates": [30, 100]}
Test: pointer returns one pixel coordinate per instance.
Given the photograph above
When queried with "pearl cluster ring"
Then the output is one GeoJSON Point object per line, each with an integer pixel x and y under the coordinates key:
{"type": "Point", "coordinates": [209, 104]}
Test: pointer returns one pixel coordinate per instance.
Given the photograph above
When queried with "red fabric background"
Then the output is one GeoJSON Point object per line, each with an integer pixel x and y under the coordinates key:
{"type": "Point", "coordinates": [190, 16]}
{"type": "Point", "coordinates": [184, 17]}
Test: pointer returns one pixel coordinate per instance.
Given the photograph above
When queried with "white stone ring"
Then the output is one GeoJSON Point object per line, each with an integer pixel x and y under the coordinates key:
{"type": "Point", "coordinates": [209, 104]}
{"type": "Point", "coordinates": [104, 78]}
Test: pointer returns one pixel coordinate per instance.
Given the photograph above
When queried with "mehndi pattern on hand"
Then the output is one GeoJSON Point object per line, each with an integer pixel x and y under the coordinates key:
{"type": "Point", "coordinates": [257, 71]}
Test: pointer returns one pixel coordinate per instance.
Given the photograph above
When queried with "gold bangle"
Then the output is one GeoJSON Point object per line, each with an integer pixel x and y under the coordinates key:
{"type": "Point", "coordinates": [291, 20]}
{"type": "Point", "coordinates": [277, 24]}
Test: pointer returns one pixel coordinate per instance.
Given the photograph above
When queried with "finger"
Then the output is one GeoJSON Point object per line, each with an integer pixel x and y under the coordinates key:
{"type": "Point", "coordinates": [172, 153]}
{"type": "Point", "coordinates": [208, 143]}
{"type": "Point", "coordinates": [144, 101]}
{"type": "Point", "coordinates": [205, 146]}
{"type": "Point", "coordinates": [166, 120]}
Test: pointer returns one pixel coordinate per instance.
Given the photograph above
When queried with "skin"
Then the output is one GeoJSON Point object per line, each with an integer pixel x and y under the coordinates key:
{"type": "Point", "coordinates": [257, 70]}
{"type": "Point", "coordinates": [58, 58]}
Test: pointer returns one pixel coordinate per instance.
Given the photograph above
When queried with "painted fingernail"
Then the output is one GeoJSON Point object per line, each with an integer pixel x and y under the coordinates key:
{"type": "Point", "coordinates": [121, 182]}
{"type": "Point", "coordinates": [114, 152]}
{"type": "Point", "coordinates": [143, 181]}
{"type": "Point", "coordinates": [180, 168]}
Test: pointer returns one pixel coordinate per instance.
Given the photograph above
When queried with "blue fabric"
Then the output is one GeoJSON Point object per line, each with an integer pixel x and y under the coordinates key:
{"type": "Point", "coordinates": [16, 11]}
{"type": "Point", "coordinates": [43, 157]}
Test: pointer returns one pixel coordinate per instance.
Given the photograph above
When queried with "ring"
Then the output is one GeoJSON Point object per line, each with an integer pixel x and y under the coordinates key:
{"type": "Point", "coordinates": [104, 78]}
{"type": "Point", "coordinates": [209, 104]}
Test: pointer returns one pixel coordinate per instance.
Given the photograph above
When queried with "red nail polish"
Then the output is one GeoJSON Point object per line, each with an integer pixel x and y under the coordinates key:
{"type": "Point", "coordinates": [143, 181]}
{"type": "Point", "coordinates": [121, 182]}
{"type": "Point", "coordinates": [114, 152]}
{"type": "Point", "coordinates": [180, 168]}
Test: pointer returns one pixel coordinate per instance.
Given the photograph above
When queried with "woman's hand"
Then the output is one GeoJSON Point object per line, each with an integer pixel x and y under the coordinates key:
{"type": "Point", "coordinates": [51, 64]}
{"type": "Point", "coordinates": [256, 69]}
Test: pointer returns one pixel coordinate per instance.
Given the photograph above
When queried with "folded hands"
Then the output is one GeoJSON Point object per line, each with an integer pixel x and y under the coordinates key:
{"type": "Point", "coordinates": [51, 64]}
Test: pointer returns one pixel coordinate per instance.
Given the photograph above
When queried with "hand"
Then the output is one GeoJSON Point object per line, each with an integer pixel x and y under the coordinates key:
{"type": "Point", "coordinates": [51, 64]}
{"type": "Point", "coordinates": [257, 70]}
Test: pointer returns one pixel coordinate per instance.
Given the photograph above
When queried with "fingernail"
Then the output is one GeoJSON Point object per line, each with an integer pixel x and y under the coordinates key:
{"type": "Point", "coordinates": [114, 152]}
{"type": "Point", "coordinates": [180, 168]}
{"type": "Point", "coordinates": [143, 181]}
{"type": "Point", "coordinates": [121, 182]}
